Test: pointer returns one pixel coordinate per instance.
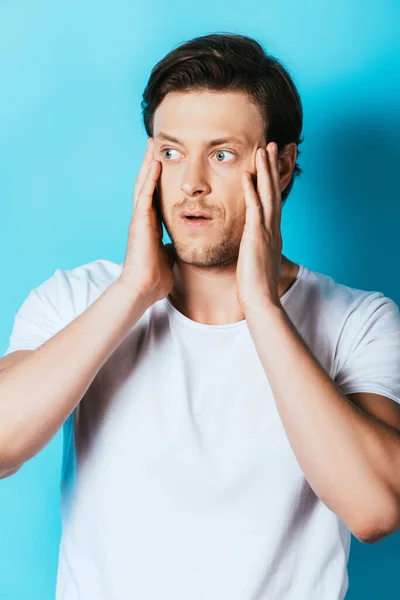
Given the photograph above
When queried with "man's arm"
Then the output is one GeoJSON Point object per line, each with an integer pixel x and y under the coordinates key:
{"type": "Point", "coordinates": [350, 458]}
{"type": "Point", "coordinates": [39, 390]}
{"type": "Point", "coordinates": [5, 363]}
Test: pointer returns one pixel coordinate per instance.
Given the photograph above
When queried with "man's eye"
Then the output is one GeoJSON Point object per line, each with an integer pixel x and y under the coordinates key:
{"type": "Point", "coordinates": [218, 152]}
{"type": "Point", "coordinates": [167, 150]}
{"type": "Point", "coordinates": [223, 152]}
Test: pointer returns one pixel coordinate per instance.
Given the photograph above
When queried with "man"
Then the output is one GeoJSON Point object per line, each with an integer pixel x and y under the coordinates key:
{"type": "Point", "coordinates": [230, 416]}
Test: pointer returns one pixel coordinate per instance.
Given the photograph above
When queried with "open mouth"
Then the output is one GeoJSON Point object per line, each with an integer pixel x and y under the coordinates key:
{"type": "Point", "coordinates": [192, 221]}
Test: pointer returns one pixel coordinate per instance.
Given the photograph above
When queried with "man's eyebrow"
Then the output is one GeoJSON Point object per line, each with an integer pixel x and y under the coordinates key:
{"type": "Point", "coordinates": [210, 143]}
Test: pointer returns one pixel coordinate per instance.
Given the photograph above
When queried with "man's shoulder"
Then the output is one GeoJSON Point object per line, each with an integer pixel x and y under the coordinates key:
{"type": "Point", "coordinates": [338, 298]}
{"type": "Point", "coordinates": [71, 290]}
{"type": "Point", "coordinates": [99, 273]}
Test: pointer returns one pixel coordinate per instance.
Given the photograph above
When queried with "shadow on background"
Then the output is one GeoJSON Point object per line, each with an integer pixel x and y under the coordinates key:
{"type": "Point", "coordinates": [349, 227]}
{"type": "Point", "coordinates": [353, 235]}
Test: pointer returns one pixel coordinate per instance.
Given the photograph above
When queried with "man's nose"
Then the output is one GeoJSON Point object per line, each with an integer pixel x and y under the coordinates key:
{"type": "Point", "coordinates": [195, 181]}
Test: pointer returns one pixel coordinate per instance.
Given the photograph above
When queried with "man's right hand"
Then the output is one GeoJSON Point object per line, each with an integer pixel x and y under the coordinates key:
{"type": "Point", "coordinates": [148, 264]}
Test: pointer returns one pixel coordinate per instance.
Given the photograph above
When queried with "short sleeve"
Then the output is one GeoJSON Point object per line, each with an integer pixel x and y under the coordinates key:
{"type": "Point", "coordinates": [369, 349]}
{"type": "Point", "coordinates": [40, 316]}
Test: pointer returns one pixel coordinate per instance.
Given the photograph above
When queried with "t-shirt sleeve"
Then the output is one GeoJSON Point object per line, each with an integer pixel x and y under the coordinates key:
{"type": "Point", "coordinates": [369, 349]}
{"type": "Point", "coordinates": [41, 315]}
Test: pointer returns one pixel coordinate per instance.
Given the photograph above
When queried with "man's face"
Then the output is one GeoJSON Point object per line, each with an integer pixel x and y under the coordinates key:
{"type": "Point", "coordinates": [198, 176]}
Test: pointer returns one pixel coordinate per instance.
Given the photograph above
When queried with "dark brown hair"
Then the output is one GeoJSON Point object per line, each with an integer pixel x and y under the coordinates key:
{"type": "Point", "coordinates": [231, 62]}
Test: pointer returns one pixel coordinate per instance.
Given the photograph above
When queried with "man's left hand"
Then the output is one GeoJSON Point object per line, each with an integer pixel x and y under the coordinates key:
{"type": "Point", "coordinates": [259, 262]}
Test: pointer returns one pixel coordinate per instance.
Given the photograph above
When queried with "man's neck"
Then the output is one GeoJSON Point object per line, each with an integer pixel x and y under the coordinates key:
{"type": "Point", "coordinates": [201, 305]}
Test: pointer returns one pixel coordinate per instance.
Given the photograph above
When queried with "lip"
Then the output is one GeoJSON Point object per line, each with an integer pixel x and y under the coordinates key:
{"type": "Point", "coordinates": [196, 213]}
{"type": "Point", "coordinates": [196, 223]}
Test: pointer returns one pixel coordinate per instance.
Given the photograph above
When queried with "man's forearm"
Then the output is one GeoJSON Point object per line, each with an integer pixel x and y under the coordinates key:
{"type": "Point", "coordinates": [350, 459]}
{"type": "Point", "coordinates": [38, 393]}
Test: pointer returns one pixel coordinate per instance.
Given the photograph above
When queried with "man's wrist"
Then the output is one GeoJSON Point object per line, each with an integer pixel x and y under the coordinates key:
{"type": "Point", "coordinates": [128, 300]}
{"type": "Point", "coordinates": [263, 309]}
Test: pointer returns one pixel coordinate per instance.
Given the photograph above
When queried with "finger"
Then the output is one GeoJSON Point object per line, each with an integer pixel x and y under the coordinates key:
{"type": "Point", "coordinates": [273, 159]}
{"type": "Point", "coordinates": [148, 157]}
{"type": "Point", "coordinates": [254, 208]}
{"type": "Point", "coordinates": [274, 163]}
{"type": "Point", "coordinates": [145, 197]}
{"type": "Point", "coordinates": [265, 188]}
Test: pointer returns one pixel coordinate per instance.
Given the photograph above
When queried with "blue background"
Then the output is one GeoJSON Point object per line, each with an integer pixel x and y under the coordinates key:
{"type": "Point", "coordinates": [72, 141]}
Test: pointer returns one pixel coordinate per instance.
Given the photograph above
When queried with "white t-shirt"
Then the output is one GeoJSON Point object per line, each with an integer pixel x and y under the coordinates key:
{"type": "Point", "coordinates": [178, 480]}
